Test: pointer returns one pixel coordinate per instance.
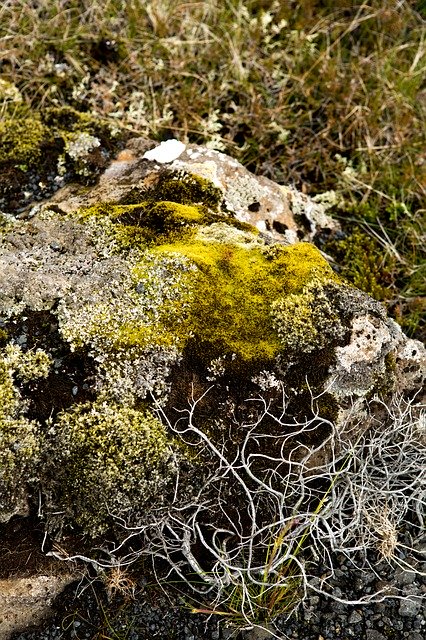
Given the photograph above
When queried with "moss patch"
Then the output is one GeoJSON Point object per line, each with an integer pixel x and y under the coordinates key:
{"type": "Point", "coordinates": [234, 292]}
{"type": "Point", "coordinates": [21, 140]}
{"type": "Point", "coordinates": [19, 441]}
{"type": "Point", "coordinates": [110, 461]}
{"type": "Point", "coordinates": [39, 153]}
{"type": "Point", "coordinates": [364, 264]}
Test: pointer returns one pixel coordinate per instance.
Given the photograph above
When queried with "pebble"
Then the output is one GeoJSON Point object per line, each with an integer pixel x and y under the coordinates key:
{"type": "Point", "coordinates": [355, 618]}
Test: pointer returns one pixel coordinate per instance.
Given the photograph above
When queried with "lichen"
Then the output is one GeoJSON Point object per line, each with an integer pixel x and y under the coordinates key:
{"type": "Point", "coordinates": [308, 320]}
{"type": "Point", "coordinates": [111, 463]}
{"type": "Point", "coordinates": [19, 445]}
{"type": "Point", "coordinates": [125, 322]}
{"type": "Point", "coordinates": [27, 365]}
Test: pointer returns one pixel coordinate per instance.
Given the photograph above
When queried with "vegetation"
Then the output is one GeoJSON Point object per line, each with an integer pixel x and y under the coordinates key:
{"type": "Point", "coordinates": [111, 459]}
{"type": "Point", "coordinates": [324, 95]}
{"type": "Point", "coordinates": [19, 437]}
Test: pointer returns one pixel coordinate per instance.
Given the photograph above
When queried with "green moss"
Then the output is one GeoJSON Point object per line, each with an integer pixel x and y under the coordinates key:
{"type": "Point", "coordinates": [175, 204]}
{"type": "Point", "coordinates": [21, 140]}
{"type": "Point", "coordinates": [187, 188]}
{"type": "Point", "coordinates": [110, 461]}
{"type": "Point", "coordinates": [159, 218]}
{"type": "Point", "coordinates": [201, 283]}
{"type": "Point", "coordinates": [8, 395]}
{"type": "Point", "coordinates": [234, 293]}
{"type": "Point", "coordinates": [364, 263]}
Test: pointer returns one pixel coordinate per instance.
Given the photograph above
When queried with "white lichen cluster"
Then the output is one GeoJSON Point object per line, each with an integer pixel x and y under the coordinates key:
{"type": "Point", "coordinates": [129, 375]}
{"type": "Point", "coordinates": [266, 380]}
{"type": "Point", "coordinates": [123, 323]}
{"type": "Point", "coordinates": [9, 92]}
{"type": "Point", "coordinates": [77, 148]}
{"type": "Point", "coordinates": [80, 145]}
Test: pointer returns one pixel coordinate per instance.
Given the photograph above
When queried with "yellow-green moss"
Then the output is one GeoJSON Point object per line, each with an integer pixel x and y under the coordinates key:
{"type": "Point", "coordinates": [110, 461]}
{"type": "Point", "coordinates": [195, 287]}
{"type": "Point", "coordinates": [8, 395]}
{"type": "Point", "coordinates": [307, 321]}
{"type": "Point", "coordinates": [234, 292]}
{"type": "Point", "coordinates": [21, 139]}
{"type": "Point", "coordinates": [156, 219]}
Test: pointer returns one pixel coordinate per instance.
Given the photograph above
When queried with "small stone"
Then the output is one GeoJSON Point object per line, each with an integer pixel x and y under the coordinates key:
{"type": "Point", "coordinates": [409, 607]}
{"type": "Point", "coordinates": [355, 618]}
{"type": "Point", "coordinates": [372, 634]}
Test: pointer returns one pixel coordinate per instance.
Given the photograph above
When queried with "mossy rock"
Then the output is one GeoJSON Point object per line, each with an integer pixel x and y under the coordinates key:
{"type": "Point", "coordinates": [145, 304]}
{"type": "Point", "coordinates": [39, 152]}
{"type": "Point", "coordinates": [111, 464]}
{"type": "Point", "coordinates": [220, 283]}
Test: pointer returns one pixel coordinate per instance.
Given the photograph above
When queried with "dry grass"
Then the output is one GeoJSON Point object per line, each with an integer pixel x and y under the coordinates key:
{"type": "Point", "coordinates": [325, 95]}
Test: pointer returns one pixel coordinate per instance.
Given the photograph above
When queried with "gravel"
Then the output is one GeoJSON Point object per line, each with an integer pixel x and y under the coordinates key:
{"type": "Point", "coordinates": [81, 616]}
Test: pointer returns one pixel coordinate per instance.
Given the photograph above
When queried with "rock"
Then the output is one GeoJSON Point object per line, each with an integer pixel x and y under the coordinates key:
{"type": "Point", "coordinates": [412, 602]}
{"type": "Point", "coordinates": [175, 281]}
{"type": "Point", "coordinates": [26, 601]}
{"type": "Point", "coordinates": [355, 618]}
{"type": "Point", "coordinates": [371, 634]}
{"type": "Point", "coordinates": [281, 213]}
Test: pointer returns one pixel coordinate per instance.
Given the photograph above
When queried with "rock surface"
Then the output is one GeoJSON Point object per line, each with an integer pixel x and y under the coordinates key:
{"type": "Point", "coordinates": [179, 280]}
{"type": "Point", "coordinates": [25, 602]}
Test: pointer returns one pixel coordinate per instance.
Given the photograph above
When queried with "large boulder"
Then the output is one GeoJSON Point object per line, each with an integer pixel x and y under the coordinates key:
{"type": "Point", "coordinates": [179, 278]}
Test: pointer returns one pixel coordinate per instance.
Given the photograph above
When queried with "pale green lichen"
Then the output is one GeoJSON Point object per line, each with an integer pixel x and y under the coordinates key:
{"type": "Point", "coordinates": [308, 320]}
{"type": "Point", "coordinates": [126, 323]}
{"type": "Point", "coordinates": [226, 234]}
{"type": "Point", "coordinates": [19, 445]}
{"type": "Point", "coordinates": [9, 92]}
{"type": "Point", "coordinates": [78, 147]}
{"type": "Point", "coordinates": [27, 365]}
{"type": "Point", "coordinates": [112, 463]}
